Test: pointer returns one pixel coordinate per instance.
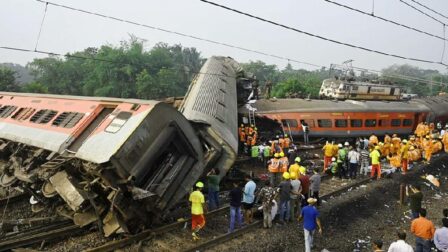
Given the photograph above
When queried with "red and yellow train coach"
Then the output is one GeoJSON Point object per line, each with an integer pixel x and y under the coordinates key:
{"type": "Point", "coordinates": [349, 118]}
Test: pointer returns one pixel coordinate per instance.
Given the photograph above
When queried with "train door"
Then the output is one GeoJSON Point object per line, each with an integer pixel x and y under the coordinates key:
{"type": "Point", "coordinates": [90, 127]}
{"type": "Point", "coordinates": [392, 91]}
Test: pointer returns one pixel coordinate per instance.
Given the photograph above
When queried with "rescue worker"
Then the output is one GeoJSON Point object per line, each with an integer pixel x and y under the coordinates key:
{"type": "Point", "coordinates": [273, 167]}
{"type": "Point", "coordinates": [286, 143]}
{"type": "Point", "coordinates": [373, 140]}
{"type": "Point", "coordinates": [294, 169]}
{"type": "Point", "coordinates": [198, 208]}
{"type": "Point", "coordinates": [333, 167]}
{"type": "Point", "coordinates": [248, 143]}
{"type": "Point", "coordinates": [376, 166]}
{"type": "Point", "coordinates": [281, 142]}
{"type": "Point", "coordinates": [394, 160]}
{"type": "Point", "coordinates": [328, 154]}
{"type": "Point", "coordinates": [254, 152]}
{"type": "Point", "coordinates": [387, 145]}
{"type": "Point", "coordinates": [428, 146]}
{"type": "Point", "coordinates": [395, 144]}
{"type": "Point", "coordinates": [436, 146]}
{"type": "Point", "coordinates": [404, 156]}
{"type": "Point", "coordinates": [284, 163]}
{"type": "Point", "coordinates": [266, 154]}
{"type": "Point", "coordinates": [341, 160]}
{"type": "Point", "coordinates": [419, 130]}
{"type": "Point", "coordinates": [445, 141]}
{"type": "Point", "coordinates": [242, 137]}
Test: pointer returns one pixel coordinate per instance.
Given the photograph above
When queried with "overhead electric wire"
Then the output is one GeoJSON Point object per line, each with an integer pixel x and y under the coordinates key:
{"type": "Point", "coordinates": [179, 33]}
{"type": "Point", "coordinates": [321, 37]}
{"type": "Point", "coordinates": [172, 32]}
{"type": "Point", "coordinates": [426, 7]}
{"type": "Point", "coordinates": [384, 19]}
{"type": "Point", "coordinates": [422, 12]}
{"type": "Point", "coordinates": [41, 25]}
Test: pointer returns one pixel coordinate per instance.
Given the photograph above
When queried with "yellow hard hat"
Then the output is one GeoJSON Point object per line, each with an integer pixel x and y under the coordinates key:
{"type": "Point", "coordinates": [276, 155]}
{"type": "Point", "coordinates": [200, 184]}
{"type": "Point", "coordinates": [286, 135]}
{"type": "Point", "coordinates": [377, 147]}
{"type": "Point", "coordinates": [404, 141]}
{"type": "Point", "coordinates": [255, 128]}
{"type": "Point", "coordinates": [286, 175]}
{"type": "Point", "coordinates": [282, 154]}
{"type": "Point", "coordinates": [297, 159]}
{"type": "Point", "coordinates": [412, 148]}
{"type": "Point", "coordinates": [427, 136]}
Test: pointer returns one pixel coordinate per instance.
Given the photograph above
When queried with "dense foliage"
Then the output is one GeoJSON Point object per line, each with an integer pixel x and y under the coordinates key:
{"type": "Point", "coordinates": [126, 71]}
{"type": "Point", "coordinates": [130, 71]}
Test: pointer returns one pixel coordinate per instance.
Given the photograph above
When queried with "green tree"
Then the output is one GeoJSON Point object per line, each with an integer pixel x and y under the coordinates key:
{"type": "Point", "coordinates": [8, 80]}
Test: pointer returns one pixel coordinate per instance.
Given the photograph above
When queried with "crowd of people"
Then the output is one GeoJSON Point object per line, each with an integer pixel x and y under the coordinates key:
{"type": "Point", "coordinates": [292, 191]}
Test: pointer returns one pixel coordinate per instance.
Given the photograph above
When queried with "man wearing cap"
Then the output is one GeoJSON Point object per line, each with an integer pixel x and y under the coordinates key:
{"type": "Point", "coordinates": [328, 154]}
{"type": "Point", "coordinates": [285, 191]}
{"type": "Point", "coordinates": [342, 156]}
{"type": "Point", "coordinates": [375, 157]}
{"type": "Point", "coordinates": [294, 169]}
{"type": "Point", "coordinates": [311, 221]}
{"type": "Point", "coordinates": [273, 167]}
{"type": "Point", "coordinates": [198, 207]}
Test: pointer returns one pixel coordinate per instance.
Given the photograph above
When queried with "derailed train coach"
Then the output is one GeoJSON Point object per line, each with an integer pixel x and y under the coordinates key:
{"type": "Point", "coordinates": [348, 118]}
{"type": "Point", "coordinates": [121, 163]}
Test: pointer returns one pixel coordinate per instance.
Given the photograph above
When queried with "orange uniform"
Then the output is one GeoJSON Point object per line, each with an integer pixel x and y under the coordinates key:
{"type": "Point", "coordinates": [274, 164]}
{"type": "Point", "coordinates": [395, 145]}
{"type": "Point", "coordinates": [445, 141]}
{"type": "Point", "coordinates": [284, 164]}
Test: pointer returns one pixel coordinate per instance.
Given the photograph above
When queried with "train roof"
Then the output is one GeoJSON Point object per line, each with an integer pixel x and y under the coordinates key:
{"type": "Point", "coordinates": [82, 98]}
{"type": "Point", "coordinates": [310, 105]}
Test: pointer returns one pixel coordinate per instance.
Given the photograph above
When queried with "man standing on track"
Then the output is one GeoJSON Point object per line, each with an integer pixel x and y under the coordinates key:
{"type": "Point", "coordinates": [376, 168]}
{"type": "Point", "coordinates": [198, 207]}
{"type": "Point", "coordinates": [311, 221]}
{"type": "Point", "coordinates": [248, 199]}
{"type": "Point", "coordinates": [423, 229]}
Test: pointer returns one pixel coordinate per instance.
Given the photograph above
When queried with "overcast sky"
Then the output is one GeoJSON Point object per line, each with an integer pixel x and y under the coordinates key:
{"type": "Point", "coordinates": [68, 31]}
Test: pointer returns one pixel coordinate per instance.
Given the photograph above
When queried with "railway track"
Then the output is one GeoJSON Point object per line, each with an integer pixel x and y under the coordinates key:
{"type": "Point", "coordinates": [216, 233]}
{"type": "Point", "coordinates": [13, 199]}
{"type": "Point", "coordinates": [35, 235]}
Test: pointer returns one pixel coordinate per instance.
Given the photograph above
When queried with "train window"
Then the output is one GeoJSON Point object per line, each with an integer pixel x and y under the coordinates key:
{"type": "Point", "coordinates": [324, 123]}
{"type": "Point", "coordinates": [67, 119]}
{"type": "Point", "coordinates": [43, 116]}
{"type": "Point", "coordinates": [340, 123]}
{"type": "Point", "coordinates": [118, 122]}
{"type": "Point", "coordinates": [23, 114]}
{"type": "Point", "coordinates": [290, 122]}
{"type": "Point", "coordinates": [370, 122]}
{"type": "Point", "coordinates": [395, 123]}
{"type": "Point", "coordinates": [7, 110]}
{"type": "Point", "coordinates": [310, 122]}
{"type": "Point", "coordinates": [356, 123]}
{"type": "Point", "coordinates": [408, 122]}
{"type": "Point", "coordinates": [384, 123]}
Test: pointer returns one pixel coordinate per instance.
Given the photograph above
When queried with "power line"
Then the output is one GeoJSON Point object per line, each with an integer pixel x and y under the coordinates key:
{"type": "Point", "coordinates": [41, 25]}
{"type": "Point", "coordinates": [404, 77]}
{"type": "Point", "coordinates": [321, 37]}
{"type": "Point", "coordinates": [399, 76]}
{"type": "Point", "coordinates": [179, 33]}
{"type": "Point", "coordinates": [426, 7]}
{"type": "Point", "coordinates": [422, 12]}
{"type": "Point", "coordinates": [384, 19]}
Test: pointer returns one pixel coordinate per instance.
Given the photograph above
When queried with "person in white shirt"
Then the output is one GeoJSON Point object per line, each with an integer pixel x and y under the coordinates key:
{"type": "Point", "coordinates": [353, 159]}
{"type": "Point", "coordinates": [400, 245]}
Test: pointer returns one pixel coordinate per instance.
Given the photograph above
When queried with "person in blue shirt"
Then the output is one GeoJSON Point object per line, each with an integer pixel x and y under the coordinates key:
{"type": "Point", "coordinates": [311, 221]}
{"type": "Point", "coordinates": [248, 199]}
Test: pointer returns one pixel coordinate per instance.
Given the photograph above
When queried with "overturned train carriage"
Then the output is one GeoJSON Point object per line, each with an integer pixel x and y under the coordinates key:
{"type": "Point", "coordinates": [120, 163]}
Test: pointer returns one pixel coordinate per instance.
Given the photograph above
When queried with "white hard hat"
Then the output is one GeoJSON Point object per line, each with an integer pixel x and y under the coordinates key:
{"type": "Point", "coordinates": [340, 145]}
{"type": "Point", "coordinates": [346, 144]}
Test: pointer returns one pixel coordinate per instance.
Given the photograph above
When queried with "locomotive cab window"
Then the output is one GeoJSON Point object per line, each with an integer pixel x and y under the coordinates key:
{"type": "Point", "coordinates": [408, 122]}
{"type": "Point", "coordinates": [289, 122]}
{"type": "Point", "coordinates": [396, 123]}
{"type": "Point", "coordinates": [340, 123]}
{"type": "Point", "coordinates": [370, 122]}
{"type": "Point", "coordinates": [356, 123]}
{"type": "Point", "coordinates": [118, 122]}
{"type": "Point", "coordinates": [324, 123]}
